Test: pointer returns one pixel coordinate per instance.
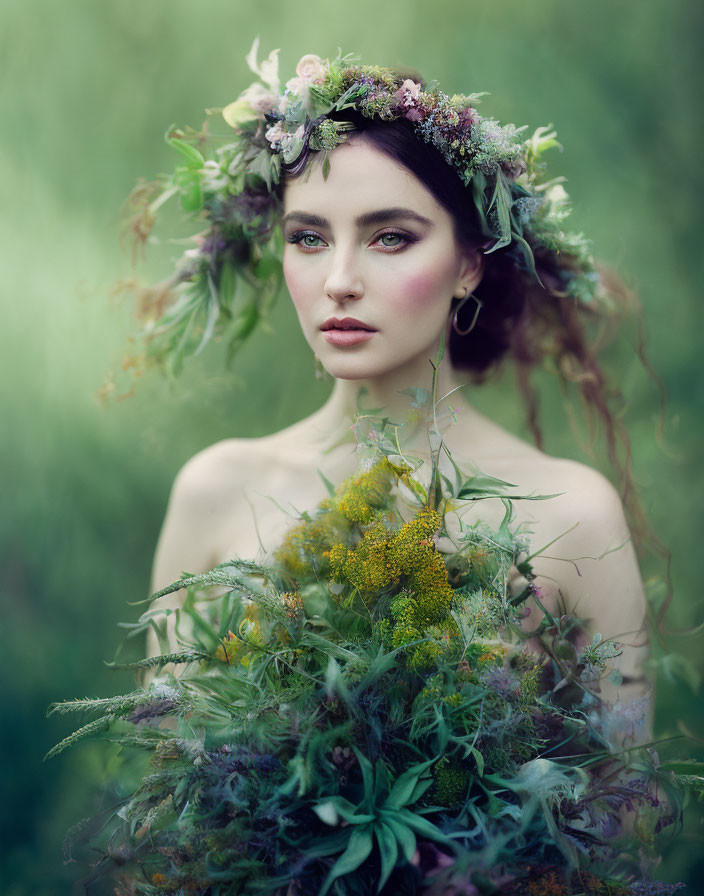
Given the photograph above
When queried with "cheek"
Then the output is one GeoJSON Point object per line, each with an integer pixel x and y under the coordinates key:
{"type": "Point", "coordinates": [419, 290]}
{"type": "Point", "coordinates": [298, 281]}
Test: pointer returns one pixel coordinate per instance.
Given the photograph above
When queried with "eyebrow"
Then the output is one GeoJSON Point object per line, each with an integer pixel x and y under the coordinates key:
{"type": "Point", "coordinates": [368, 219]}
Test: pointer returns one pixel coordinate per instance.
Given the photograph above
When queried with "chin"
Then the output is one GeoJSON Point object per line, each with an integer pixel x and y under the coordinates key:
{"type": "Point", "coordinates": [356, 368]}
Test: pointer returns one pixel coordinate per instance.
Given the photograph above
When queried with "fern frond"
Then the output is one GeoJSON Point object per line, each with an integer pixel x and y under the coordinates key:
{"type": "Point", "coordinates": [92, 728]}
{"type": "Point", "coordinates": [108, 705]}
{"type": "Point", "coordinates": [185, 656]}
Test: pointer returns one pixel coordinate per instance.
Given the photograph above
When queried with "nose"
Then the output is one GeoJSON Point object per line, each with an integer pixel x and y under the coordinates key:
{"type": "Point", "coordinates": [343, 281]}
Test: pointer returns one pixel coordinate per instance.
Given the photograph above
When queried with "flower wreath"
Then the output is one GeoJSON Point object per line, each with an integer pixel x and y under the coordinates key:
{"type": "Point", "coordinates": [227, 282]}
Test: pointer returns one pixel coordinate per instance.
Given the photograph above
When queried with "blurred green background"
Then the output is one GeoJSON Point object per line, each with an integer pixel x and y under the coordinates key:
{"type": "Point", "coordinates": [89, 89]}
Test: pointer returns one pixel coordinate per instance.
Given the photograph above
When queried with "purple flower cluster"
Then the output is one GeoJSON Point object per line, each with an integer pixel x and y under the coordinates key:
{"type": "Point", "coordinates": [230, 760]}
{"type": "Point", "coordinates": [151, 711]}
{"type": "Point", "coordinates": [653, 888]}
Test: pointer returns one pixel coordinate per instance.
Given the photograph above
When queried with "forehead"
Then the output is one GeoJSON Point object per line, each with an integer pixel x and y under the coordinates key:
{"type": "Point", "coordinates": [360, 176]}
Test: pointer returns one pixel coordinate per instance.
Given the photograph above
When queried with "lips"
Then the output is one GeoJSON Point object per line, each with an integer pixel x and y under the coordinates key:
{"type": "Point", "coordinates": [346, 323]}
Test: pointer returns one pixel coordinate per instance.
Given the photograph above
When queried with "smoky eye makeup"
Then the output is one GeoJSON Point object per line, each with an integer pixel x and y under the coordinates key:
{"type": "Point", "coordinates": [299, 237]}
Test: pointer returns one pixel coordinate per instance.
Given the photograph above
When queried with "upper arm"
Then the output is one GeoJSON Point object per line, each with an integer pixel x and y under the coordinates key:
{"type": "Point", "coordinates": [596, 568]}
{"type": "Point", "coordinates": [191, 512]}
{"type": "Point", "coordinates": [199, 500]}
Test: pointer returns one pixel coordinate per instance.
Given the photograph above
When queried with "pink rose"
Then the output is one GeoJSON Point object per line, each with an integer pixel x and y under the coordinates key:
{"type": "Point", "coordinates": [311, 69]}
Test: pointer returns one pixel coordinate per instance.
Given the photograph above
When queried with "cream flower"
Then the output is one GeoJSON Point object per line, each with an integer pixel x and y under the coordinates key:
{"type": "Point", "coordinates": [311, 69]}
{"type": "Point", "coordinates": [275, 135]}
{"type": "Point", "coordinates": [268, 69]}
{"type": "Point", "coordinates": [410, 92]}
{"type": "Point", "coordinates": [299, 86]}
{"type": "Point", "coordinates": [250, 104]}
{"type": "Point", "coordinates": [557, 194]}
{"type": "Point", "coordinates": [259, 97]}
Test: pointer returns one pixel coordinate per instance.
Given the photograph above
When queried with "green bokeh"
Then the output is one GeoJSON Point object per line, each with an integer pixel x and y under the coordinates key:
{"type": "Point", "coordinates": [89, 89]}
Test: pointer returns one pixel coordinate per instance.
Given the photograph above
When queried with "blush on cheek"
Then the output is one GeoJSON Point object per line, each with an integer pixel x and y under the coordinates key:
{"type": "Point", "coordinates": [296, 282]}
{"type": "Point", "coordinates": [416, 290]}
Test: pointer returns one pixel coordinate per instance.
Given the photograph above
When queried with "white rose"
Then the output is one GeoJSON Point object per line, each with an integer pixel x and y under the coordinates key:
{"type": "Point", "coordinates": [311, 69]}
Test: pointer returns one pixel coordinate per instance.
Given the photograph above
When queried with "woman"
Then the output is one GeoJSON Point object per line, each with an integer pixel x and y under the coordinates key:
{"type": "Point", "coordinates": [383, 257]}
{"type": "Point", "coordinates": [363, 649]}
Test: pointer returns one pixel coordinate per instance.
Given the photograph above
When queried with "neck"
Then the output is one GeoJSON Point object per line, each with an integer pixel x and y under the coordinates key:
{"type": "Point", "coordinates": [384, 395]}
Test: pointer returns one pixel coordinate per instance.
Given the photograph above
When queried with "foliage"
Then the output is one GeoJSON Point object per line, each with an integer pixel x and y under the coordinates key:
{"type": "Point", "coordinates": [363, 714]}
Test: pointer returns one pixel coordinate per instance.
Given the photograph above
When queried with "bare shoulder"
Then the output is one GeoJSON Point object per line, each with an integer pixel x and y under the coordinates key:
{"type": "Point", "coordinates": [211, 473]}
{"type": "Point", "coordinates": [587, 506]}
{"type": "Point", "coordinates": [215, 474]}
{"type": "Point", "coordinates": [208, 488]}
{"type": "Point", "coordinates": [581, 493]}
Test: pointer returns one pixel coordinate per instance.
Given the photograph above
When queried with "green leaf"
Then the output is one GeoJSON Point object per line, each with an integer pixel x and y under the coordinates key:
{"type": "Point", "coordinates": [403, 834]}
{"type": "Point", "coordinates": [344, 809]}
{"type": "Point", "coordinates": [479, 759]}
{"type": "Point", "coordinates": [481, 484]}
{"type": "Point", "coordinates": [336, 684]}
{"type": "Point", "coordinates": [388, 850]}
{"type": "Point", "coordinates": [682, 766]}
{"type": "Point", "coordinates": [90, 730]}
{"type": "Point", "coordinates": [326, 482]}
{"type": "Point", "coordinates": [405, 784]}
{"type": "Point", "coordinates": [382, 782]}
{"type": "Point", "coordinates": [423, 827]}
{"type": "Point", "coordinates": [358, 849]}
{"type": "Point", "coordinates": [261, 167]}
{"type": "Point", "coordinates": [190, 195]}
{"type": "Point", "coordinates": [367, 773]}
{"type": "Point", "coordinates": [419, 790]}
{"type": "Point", "coordinates": [246, 321]}
{"type": "Point", "coordinates": [194, 159]}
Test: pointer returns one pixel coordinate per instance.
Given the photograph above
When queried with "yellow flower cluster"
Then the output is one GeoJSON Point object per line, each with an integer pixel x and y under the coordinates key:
{"type": "Point", "coordinates": [358, 500]}
{"type": "Point", "coordinates": [383, 557]}
{"type": "Point", "coordinates": [302, 552]}
{"type": "Point", "coordinates": [360, 497]}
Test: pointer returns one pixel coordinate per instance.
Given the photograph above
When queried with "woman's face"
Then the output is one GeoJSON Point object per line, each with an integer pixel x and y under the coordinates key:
{"type": "Point", "coordinates": [373, 244]}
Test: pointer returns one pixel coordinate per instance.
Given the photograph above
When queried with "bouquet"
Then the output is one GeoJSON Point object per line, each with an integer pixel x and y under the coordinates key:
{"type": "Point", "coordinates": [363, 713]}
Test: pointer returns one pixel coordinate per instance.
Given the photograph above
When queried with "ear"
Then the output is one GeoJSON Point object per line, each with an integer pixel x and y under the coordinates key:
{"type": "Point", "coordinates": [471, 271]}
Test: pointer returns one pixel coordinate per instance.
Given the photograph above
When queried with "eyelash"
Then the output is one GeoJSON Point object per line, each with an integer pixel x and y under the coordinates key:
{"type": "Point", "coordinates": [300, 235]}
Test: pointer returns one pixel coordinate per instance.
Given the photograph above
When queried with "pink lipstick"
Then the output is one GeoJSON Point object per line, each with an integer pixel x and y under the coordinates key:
{"type": "Point", "coordinates": [346, 331]}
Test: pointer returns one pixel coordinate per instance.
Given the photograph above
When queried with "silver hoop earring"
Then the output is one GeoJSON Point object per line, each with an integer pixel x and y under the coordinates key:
{"type": "Point", "coordinates": [455, 325]}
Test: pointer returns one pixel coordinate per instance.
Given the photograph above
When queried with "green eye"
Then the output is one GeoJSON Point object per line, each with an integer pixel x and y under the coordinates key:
{"type": "Point", "coordinates": [402, 239]}
{"type": "Point", "coordinates": [301, 238]}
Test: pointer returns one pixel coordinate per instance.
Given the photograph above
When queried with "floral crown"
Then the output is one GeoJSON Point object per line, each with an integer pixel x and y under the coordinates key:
{"type": "Point", "coordinates": [226, 283]}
